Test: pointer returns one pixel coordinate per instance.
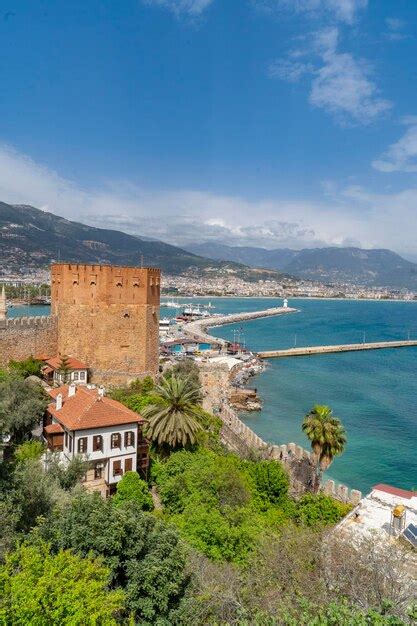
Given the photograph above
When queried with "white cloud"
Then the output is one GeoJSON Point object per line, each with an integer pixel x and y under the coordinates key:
{"type": "Point", "coordinates": [191, 8]}
{"type": "Point", "coordinates": [402, 155]}
{"type": "Point", "coordinates": [343, 216]}
{"type": "Point", "coordinates": [292, 71]}
{"type": "Point", "coordinates": [395, 27]}
{"type": "Point", "coordinates": [341, 84]}
{"type": "Point", "coordinates": [340, 10]}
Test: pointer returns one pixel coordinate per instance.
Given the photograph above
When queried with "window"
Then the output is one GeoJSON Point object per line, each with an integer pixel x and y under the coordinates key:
{"type": "Point", "coordinates": [82, 445]}
{"type": "Point", "coordinates": [66, 439]}
{"type": "Point", "coordinates": [117, 468]}
{"type": "Point", "coordinates": [98, 470]}
{"type": "Point", "coordinates": [128, 465]}
{"type": "Point", "coordinates": [97, 443]}
{"type": "Point", "coordinates": [70, 443]}
{"type": "Point", "coordinates": [129, 438]}
{"type": "Point", "coordinates": [115, 440]}
{"type": "Point", "coordinates": [75, 375]}
{"type": "Point", "coordinates": [82, 375]}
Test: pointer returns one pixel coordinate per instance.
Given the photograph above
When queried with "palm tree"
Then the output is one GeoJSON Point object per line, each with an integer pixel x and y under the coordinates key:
{"type": "Point", "coordinates": [173, 419]}
{"type": "Point", "coordinates": [327, 436]}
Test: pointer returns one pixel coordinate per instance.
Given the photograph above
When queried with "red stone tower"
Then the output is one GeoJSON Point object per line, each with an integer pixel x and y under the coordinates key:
{"type": "Point", "coordinates": [108, 317]}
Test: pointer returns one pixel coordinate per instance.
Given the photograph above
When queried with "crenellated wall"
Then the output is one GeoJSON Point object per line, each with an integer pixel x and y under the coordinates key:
{"type": "Point", "coordinates": [241, 439]}
{"type": "Point", "coordinates": [21, 337]}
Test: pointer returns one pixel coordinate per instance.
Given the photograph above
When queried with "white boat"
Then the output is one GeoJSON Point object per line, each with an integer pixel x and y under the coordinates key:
{"type": "Point", "coordinates": [171, 304]}
{"type": "Point", "coordinates": [164, 325]}
{"type": "Point", "coordinates": [191, 312]}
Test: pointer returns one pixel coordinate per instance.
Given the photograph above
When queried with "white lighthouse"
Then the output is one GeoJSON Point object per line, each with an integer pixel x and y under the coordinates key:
{"type": "Point", "coordinates": [285, 303]}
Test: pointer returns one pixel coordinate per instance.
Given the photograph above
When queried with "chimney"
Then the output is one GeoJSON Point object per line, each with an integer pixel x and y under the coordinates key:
{"type": "Point", "coordinates": [58, 402]}
{"type": "Point", "coordinates": [71, 390]}
{"type": "Point", "coordinates": [100, 393]}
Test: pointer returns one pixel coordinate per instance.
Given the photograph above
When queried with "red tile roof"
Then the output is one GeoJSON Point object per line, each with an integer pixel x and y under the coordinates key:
{"type": "Point", "coordinates": [85, 409]}
{"type": "Point", "coordinates": [395, 491]}
{"type": "Point", "coordinates": [52, 429]}
{"type": "Point", "coordinates": [74, 364]}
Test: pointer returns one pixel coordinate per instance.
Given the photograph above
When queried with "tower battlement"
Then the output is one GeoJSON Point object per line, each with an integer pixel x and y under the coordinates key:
{"type": "Point", "coordinates": [30, 322]}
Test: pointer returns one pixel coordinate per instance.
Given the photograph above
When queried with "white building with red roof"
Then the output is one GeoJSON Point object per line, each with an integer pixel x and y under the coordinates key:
{"type": "Point", "coordinates": [76, 371]}
{"type": "Point", "coordinates": [386, 512]}
{"type": "Point", "coordinates": [83, 421]}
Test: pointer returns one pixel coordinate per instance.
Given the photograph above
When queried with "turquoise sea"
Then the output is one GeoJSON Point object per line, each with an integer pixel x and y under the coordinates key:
{"type": "Point", "coordinates": [373, 392]}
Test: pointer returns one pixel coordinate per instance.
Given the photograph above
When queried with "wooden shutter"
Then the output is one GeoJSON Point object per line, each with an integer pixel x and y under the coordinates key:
{"type": "Point", "coordinates": [129, 438]}
{"type": "Point", "coordinates": [128, 465]}
{"type": "Point", "coordinates": [97, 443]}
{"type": "Point", "coordinates": [82, 444]}
{"type": "Point", "coordinates": [117, 468]}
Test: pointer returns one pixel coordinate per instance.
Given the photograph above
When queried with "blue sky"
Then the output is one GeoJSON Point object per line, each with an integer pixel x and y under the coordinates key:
{"type": "Point", "coordinates": [252, 122]}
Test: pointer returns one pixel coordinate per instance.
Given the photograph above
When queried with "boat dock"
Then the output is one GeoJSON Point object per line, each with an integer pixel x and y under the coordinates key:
{"type": "Point", "coordinates": [349, 347]}
{"type": "Point", "coordinates": [197, 329]}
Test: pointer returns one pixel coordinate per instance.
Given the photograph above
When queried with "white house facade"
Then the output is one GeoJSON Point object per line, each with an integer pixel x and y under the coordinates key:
{"type": "Point", "coordinates": [82, 421]}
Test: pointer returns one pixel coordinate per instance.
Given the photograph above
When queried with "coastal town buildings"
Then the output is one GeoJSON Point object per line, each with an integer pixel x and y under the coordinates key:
{"type": "Point", "coordinates": [83, 421]}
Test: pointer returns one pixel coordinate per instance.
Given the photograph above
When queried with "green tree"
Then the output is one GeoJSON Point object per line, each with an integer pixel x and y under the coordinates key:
{"type": "Point", "coordinates": [186, 368]}
{"type": "Point", "coordinates": [271, 480]}
{"type": "Point", "coordinates": [327, 436]}
{"type": "Point", "coordinates": [133, 488]}
{"type": "Point", "coordinates": [37, 587]}
{"type": "Point", "coordinates": [173, 421]}
{"type": "Point", "coordinates": [22, 404]}
{"type": "Point", "coordinates": [29, 450]}
{"type": "Point", "coordinates": [27, 367]}
{"type": "Point", "coordinates": [144, 555]}
{"type": "Point", "coordinates": [64, 369]}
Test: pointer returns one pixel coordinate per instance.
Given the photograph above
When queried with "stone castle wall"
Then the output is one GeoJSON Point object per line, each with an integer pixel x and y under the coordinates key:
{"type": "Point", "coordinates": [108, 317]}
{"type": "Point", "coordinates": [22, 337]}
{"type": "Point", "coordinates": [299, 463]}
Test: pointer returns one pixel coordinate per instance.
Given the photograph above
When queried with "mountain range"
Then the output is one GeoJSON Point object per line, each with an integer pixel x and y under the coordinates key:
{"type": "Point", "coordinates": [30, 237]}
{"type": "Point", "coordinates": [374, 268]}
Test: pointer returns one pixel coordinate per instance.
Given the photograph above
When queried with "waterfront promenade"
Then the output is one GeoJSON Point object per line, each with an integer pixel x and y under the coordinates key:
{"type": "Point", "coordinates": [197, 329]}
{"type": "Point", "coordinates": [349, 347]}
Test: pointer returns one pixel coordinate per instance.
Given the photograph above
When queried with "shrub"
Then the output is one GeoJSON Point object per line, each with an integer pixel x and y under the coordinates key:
{"type": "Point", "coordinates": [29, 450]}
{"type": "Point", "coordinates": [133, 488]}
{"type": "Point", "coordinates": [320, 509]}
{"type": "Point", "coordinates": [37, 587]}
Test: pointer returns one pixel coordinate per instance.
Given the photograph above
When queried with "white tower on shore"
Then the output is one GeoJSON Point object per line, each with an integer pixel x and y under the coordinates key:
{"type": "Point", "coordinates": [3, 308]}
{"type": "Point", "coordinates": [285, 303]}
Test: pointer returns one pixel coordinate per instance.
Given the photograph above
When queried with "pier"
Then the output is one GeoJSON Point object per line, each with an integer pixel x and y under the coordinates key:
{"type": "Point", "coordinates": [349, 347]}
{"type": "Point", "coordinates": [197, 329]}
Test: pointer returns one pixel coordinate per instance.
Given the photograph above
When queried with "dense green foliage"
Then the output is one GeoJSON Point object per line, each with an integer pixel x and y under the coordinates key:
{"type": "Point", "coordinates": [229, 546]}
{"type": "Point", "coordinates": [27, 367]}
{"type": "Point", "coordinates": [37, 587]}
{"type": "Point", "coordinates": [29, 450]}
{"type": "Point", "coordinates": [223, 505]}
{"type": "Point", "coordinates": [22, 404]}
{"type": "Point", "coordinates": [143, 554]}
{"type": "Point", "coordinates": [133, 489]}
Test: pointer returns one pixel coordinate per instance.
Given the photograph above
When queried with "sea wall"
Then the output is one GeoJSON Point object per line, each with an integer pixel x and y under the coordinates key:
{"type": "Point", "coordinates": [22, 337]}
{"type": "Point", "coordinates": [298, 461]}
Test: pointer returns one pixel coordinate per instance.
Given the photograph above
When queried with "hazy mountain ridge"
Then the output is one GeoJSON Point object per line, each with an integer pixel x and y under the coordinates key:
{"type": "Point", "coordinates": [374, 268]}
{"type": "Point", "coordinates": [30, 237]}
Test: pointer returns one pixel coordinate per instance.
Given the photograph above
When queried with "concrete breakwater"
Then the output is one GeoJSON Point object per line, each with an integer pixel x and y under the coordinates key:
{"type": "Point", "coordinates": [299, 462]}
{"type": "Point", "coordinates": [349, 347]}
{"type": "Point", "coordinates": [197, 329]}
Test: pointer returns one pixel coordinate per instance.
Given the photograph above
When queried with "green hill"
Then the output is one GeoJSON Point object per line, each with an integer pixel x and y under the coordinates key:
{"type": "Point", "coordinates": [32, 238]}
